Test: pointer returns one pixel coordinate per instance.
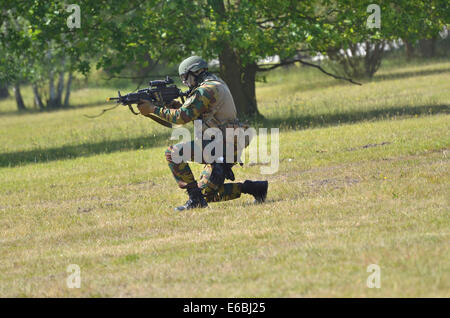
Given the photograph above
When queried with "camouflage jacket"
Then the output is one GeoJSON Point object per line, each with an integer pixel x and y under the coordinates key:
{"type": "Point", "coordinates": [211, 102]}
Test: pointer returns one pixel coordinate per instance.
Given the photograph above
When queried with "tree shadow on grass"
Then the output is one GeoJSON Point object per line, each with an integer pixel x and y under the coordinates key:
{"type": "Point", "coordinates": [400, 75]}
{"type": "Point", "coordinates": [323, 120]}
{"type": "Point", "coordinates": [327, 82]}
{"type": "Point", "coordinates": [13, 159]}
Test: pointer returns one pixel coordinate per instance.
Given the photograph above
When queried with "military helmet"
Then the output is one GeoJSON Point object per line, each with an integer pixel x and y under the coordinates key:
{"type": "Point", "coordinates": [192, 64]}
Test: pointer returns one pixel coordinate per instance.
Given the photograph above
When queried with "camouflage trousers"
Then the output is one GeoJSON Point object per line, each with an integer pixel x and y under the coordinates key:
{"type": "Point", "coordinates": [213, 187]}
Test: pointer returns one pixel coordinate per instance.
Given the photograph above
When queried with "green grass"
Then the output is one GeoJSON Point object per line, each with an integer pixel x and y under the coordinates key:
{"type": "Point", "coordinates": [363, 179]}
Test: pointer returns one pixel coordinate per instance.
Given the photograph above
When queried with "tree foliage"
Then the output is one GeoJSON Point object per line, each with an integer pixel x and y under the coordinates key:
{"type": "Point", "coordinates": [239, 33]}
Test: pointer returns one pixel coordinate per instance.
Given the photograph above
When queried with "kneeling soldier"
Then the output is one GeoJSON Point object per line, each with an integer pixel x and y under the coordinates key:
{"type": "Point", "coordinates": [211, 101]}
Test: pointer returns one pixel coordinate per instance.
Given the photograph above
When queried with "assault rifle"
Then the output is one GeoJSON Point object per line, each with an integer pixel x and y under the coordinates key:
{"type": "Point", "coordinates": [159, 92]}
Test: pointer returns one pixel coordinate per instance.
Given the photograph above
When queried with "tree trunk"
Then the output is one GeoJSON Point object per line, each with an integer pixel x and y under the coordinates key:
{"type": "Point", "coordinates": [4, 93]}
{"type": "Point", "coordinates": [353, 63]}
{"type": "Point", "coordinates": [241, 81]}
{"type": "Point", "coordinates": [427, 47]}
{"type": "Point", "coordinates": [239, 78]}
{"type": "Point", "coordinates": [19, 99]}
{"type": "Point", "coordinates": [37, 98]}
{"type": "Point", "coordinates": [59, 90]}
{"type": "Point", "coordinates": [373, 57]}
{"type": "Point", "coordinates": [52, 93]}
{"type": "Point", "coordinates": [409, 50]}
{"type": "Point", "coordinates": [69, 82]}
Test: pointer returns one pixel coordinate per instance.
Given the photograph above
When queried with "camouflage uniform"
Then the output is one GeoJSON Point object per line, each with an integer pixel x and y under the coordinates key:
{"type": "Point", "coordinates": [211, 102]}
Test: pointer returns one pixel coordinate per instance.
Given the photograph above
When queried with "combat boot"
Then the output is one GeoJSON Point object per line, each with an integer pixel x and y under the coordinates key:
{"type": "Point", "coordinates": [256, 188]}
{"type": "Point", "coordinates": [196, 200]}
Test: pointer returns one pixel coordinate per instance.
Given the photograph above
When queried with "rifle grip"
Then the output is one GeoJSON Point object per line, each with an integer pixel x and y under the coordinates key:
{"type": "Point", "coordinates": [132, 110]}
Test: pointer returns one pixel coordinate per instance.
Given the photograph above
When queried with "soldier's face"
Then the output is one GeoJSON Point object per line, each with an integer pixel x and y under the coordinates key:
{"type": "Point", "coordinates": [183, 78]}
{"type": "Point", "coordinates": [189, 80]}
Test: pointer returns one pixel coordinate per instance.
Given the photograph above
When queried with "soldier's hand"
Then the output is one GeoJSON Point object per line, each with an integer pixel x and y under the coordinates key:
{"type": "Point", "coordinates": [145, 107]}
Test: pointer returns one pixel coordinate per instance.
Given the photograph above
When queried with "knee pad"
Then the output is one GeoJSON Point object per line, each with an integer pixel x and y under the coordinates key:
{"type": "Point", "coordinates": [217, 174]}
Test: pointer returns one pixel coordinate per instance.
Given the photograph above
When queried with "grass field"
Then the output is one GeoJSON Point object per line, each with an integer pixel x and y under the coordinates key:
{"type": "Point", "coordinates": [363, 179]}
